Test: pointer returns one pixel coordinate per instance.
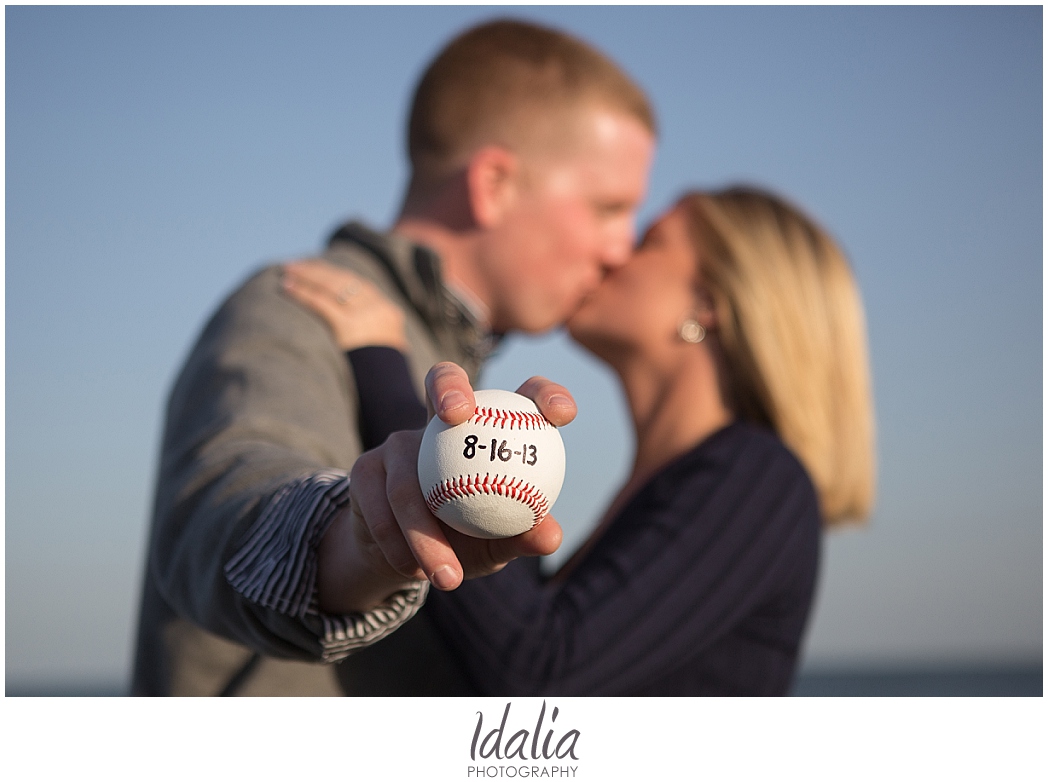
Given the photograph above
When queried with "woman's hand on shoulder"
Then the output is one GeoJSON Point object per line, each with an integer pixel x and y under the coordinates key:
{"type": "Point", "coordinates": [355, 310]}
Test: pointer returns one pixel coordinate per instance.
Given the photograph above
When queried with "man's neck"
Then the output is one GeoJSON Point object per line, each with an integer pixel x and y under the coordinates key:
{"type": "Point", "coordinates": [454, 250]}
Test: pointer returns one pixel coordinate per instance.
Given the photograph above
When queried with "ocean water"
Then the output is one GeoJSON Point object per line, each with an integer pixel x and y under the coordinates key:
{"type": "Point", "coordinates": [978, 682]}
{"type": "Point", "coordinates": [987, 682]}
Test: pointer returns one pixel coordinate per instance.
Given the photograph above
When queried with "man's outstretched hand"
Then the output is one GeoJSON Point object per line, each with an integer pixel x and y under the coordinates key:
{"type": "Point", "coordinates": [387, 537]}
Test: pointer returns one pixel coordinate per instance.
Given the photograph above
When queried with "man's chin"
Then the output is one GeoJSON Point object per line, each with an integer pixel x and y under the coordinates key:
{"type": "Point", "coordinates": [580, 312]}
{"type": "Point", "coordinates": [585, 339]}
{"type": "Point", "coordinates": [582, 304]}
{"type": "Point", "coordinates": [536, 326]}
{"type": "Point", "coordinates": [533, 322]}
{"type": "Point", "coordinates": [576, 325]}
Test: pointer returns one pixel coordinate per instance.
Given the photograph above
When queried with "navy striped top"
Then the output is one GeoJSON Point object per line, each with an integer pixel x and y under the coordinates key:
{"type": "Point", "coordinates": [701, 585]}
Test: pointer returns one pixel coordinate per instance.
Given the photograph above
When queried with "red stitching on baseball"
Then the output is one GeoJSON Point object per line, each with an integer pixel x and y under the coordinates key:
{"type": "Point", "coordinates": [509, 419]}
{"type": "Point", "coordinates": [470, 485]}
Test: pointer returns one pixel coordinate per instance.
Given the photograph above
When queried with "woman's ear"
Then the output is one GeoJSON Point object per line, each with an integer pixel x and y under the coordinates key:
{"type": "Point", "coordinates": [491, 179]}
{"type": "Point", "coordinates": [705, 309]}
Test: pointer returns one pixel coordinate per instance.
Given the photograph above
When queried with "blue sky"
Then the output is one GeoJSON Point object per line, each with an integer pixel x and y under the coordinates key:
{"type": "Point", "coordinates": [156, 156]}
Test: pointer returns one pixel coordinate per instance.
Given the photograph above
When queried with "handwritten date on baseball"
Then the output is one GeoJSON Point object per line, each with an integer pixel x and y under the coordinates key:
{"type": "Point", "coordinates": [528, 453]}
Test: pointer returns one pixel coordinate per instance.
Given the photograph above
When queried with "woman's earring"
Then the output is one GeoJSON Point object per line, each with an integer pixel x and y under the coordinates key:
{"type": "Point", "coordinates": [692, 331]}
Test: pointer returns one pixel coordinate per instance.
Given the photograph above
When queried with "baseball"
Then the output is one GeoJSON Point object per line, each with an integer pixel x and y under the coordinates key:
{"type": "Point", "coordinates": [499, 473]}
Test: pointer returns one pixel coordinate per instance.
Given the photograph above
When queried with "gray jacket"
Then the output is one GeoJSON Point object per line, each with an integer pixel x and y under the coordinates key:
{"type": "Point", "coordinates": [264, 398]}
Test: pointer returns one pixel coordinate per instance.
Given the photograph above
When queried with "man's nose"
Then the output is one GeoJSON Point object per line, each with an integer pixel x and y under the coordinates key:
{"type": "Point", "coordinates": [618, 246]}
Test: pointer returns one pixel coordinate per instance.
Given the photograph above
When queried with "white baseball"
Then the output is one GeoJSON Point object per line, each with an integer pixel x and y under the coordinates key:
{"type": "Point", "coordinates": [498, 474]}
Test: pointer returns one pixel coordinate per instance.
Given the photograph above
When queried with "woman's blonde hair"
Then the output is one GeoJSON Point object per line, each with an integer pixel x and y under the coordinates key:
{"type": "Point", "coordinates": [791, 324]}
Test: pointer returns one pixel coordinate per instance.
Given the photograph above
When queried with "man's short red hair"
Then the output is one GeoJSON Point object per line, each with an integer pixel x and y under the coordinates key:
{"type": "Point", "coordinates": [489, 82]}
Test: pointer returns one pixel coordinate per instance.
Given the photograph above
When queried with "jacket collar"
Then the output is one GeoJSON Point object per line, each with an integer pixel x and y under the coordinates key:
{"type": "Point", "coordinates": [416, 271]}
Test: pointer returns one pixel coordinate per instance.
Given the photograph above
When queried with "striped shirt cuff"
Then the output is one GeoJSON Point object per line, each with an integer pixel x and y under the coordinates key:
{"type": "Point", "coordinates": [276, 567]}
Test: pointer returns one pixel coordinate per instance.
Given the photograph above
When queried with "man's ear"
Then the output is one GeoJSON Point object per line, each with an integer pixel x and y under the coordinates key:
{"type": "Point", "coordinates": [491, 177]}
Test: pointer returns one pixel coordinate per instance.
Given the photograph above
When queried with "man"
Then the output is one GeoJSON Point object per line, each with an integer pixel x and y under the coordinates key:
{"type": "Point", "coordinates": [530, 154]}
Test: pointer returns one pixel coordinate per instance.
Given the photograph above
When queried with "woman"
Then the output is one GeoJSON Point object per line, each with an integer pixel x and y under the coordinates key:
{"type": "Point", "coordinates": [737, 333]}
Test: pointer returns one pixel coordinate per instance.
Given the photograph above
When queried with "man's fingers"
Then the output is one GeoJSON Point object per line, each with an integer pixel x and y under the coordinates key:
{"type": "Point", "coordinates": [541, 540]}
{"type": "Point", "coordinates": [449, 393]}
{"type": "Point", "coordinates": [368, 493]}
{"type": "Point", "coordinates": [482, 557]}
{"type": "Point", "coordinates": [384, 530]}
{"type": "Point", "coordinates": [445, 556]}
{"type": "Point", "coordinates": [450, 396]}
{"type": "Point", "coordinates": [397, 515]}
{"type": "Point", "coordinates": [553, 400]}
{"type": "Point", "coordinates": [421, 529]}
